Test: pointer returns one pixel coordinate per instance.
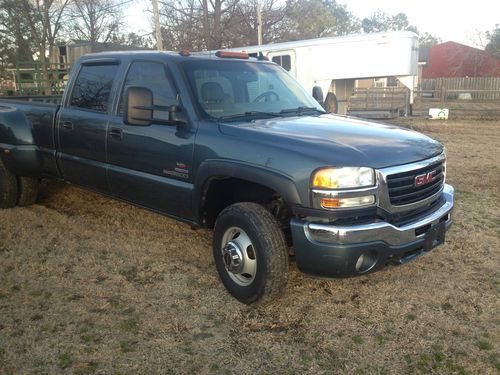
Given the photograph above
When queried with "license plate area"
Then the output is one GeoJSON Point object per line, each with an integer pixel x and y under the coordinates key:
{"type": "Point", "coordinates": [435, 236]}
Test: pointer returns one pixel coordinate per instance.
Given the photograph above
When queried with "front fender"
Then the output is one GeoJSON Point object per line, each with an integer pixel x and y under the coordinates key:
{"type": "Point", "coordinates": [280, 183]}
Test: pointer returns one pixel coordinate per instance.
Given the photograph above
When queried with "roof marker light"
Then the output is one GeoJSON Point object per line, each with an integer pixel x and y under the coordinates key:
{"type": "Point", "coordinates": [231, 55]}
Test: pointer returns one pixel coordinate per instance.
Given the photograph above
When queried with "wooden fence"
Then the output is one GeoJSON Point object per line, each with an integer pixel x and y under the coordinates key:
{"type": "Point", "coordinates": [379, 98]}
{"type": "Point", "coordinates": [471, 88]}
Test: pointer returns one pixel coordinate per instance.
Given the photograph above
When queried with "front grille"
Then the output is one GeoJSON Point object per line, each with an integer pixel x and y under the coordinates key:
{"type": "Point", "coordinates": [402, 189]}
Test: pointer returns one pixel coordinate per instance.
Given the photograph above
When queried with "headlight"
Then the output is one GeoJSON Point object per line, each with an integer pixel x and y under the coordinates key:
{"type": "Point", "coordinates": [343, 178]}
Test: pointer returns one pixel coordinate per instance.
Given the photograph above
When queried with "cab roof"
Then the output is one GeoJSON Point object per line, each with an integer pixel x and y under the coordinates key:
{"type": "Point", "coordinates": [109, 56]}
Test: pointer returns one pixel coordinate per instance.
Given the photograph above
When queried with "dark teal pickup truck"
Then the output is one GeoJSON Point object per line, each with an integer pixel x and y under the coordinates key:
{"type": "Point", "coordinates": [234, 143]}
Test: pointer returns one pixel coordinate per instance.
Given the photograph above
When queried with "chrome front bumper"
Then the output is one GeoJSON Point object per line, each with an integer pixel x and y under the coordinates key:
{"type": "Point", "coordinates": [343, 251]}
{"type": "Point", "coordinates": [381, 231]}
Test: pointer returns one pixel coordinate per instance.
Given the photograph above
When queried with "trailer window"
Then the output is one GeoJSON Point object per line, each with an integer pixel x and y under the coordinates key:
{"type": "Point", "coordinates": [284, 61]}
{"type": "Point", "coordinates": [93, 87]}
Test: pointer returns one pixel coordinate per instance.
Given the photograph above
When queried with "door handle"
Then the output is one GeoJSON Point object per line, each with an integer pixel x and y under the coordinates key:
{"type": "Point", "coordinates": [116, 133]}
{"type": "Point", "coordinates": [67, 125]}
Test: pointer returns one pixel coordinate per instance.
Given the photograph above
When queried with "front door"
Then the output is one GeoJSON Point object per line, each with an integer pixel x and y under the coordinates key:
{"type": "Point", "coordinates": [82, 127]}
{"type": "Point", "coordinates": [151, 165]}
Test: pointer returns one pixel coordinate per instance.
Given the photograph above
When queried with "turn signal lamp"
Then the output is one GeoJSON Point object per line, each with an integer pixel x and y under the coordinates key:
{"type": "Point", "coordinates": [330, 203]}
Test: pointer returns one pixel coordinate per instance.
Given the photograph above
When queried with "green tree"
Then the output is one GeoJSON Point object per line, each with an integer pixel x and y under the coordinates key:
{"type": "Point", "coordinates": [381, 21]}
{"type": "Point", "coordinates": [345, 21]}
{"type": "Point", "coordinates": [307, 19]}
{"type": "Point", "coordinates": [428, 40]}
{"type": "Point", "coordinates": [15, 44]}
{"type": "Point", "coordinates": [493, 45]}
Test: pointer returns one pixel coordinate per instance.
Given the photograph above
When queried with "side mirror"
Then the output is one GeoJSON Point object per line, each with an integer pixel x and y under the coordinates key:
{"type": "Point", "coordinates": [176, 116]}
{"type": "Point", "coordinates": [138, 106]}
{"type": "Point", "coordinates": [317, 94]}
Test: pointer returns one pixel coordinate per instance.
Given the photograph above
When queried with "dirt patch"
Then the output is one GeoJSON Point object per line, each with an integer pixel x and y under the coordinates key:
{"type": "Point", "coordinates": [91, 285]}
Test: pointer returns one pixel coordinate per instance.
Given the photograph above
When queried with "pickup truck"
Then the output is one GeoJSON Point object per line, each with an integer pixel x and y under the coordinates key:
{"type": "Point", "coordinates": [234, 144]}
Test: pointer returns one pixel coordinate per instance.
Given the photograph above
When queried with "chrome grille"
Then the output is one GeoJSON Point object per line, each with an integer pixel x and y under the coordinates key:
{"type": "Point", "coordinates": [401, 186]}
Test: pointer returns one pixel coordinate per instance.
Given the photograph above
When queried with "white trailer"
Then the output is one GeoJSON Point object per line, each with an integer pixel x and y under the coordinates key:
{"type": "Point", "coordinates": [334, 64]}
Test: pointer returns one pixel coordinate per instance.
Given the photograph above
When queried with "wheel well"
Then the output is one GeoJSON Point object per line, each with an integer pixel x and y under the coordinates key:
{"type": "Point", "coordinates": [220, 192]}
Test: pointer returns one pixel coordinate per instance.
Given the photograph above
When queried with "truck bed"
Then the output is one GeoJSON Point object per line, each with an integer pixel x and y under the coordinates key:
{"type": "Point", "coordinates": [54, 99]}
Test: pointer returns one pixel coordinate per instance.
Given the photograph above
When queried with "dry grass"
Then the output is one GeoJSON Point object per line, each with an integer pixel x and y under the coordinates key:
{"type": "Point", "coordinates": [90, 285]}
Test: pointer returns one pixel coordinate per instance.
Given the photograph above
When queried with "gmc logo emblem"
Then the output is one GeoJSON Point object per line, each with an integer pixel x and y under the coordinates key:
{"type": "Point", "coordinates": [424, 179]}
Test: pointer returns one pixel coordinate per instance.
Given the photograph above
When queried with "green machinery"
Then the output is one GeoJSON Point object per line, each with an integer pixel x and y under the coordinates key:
{"type": "Point", "coordinates": [39, 78]}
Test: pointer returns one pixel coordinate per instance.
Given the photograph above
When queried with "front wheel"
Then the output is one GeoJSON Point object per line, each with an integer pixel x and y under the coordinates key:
{"type": "Point", "coordinates": [250, 253]}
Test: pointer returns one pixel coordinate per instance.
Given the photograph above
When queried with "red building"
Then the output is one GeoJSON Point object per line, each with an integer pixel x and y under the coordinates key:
{"type": "Point", "coordinates": [452, 59]}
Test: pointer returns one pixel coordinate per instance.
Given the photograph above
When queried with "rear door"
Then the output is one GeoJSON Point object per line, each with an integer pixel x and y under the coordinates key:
{"type": "Point", "coordinates": [82, 126]}
{"type": "Point", "coordinates": [152, 165]}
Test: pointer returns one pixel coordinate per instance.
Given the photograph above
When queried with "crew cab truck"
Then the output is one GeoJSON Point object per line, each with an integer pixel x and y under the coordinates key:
{"type": "Point", "coordinates": [234, 143]}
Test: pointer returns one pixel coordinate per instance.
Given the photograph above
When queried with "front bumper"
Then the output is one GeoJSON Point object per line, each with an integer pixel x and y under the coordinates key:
{"type": "Point", "coordinates": [343, 251]}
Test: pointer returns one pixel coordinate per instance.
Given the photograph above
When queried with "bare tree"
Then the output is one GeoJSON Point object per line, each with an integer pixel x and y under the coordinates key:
{"type": "Point", "coordinates": [245, 24]}
{"type": "Point", "coordinates": [181, 25]}
{"type": "Point", "coordinates": [95, 20]}
{"type": "Point", "coordinates": [198, 24]}
{"type": "Point", "coordinates": [212, 24]}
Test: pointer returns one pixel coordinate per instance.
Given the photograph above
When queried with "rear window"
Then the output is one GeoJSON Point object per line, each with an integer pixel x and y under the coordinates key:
{"type": "Point", "coordinates": [93, 87]}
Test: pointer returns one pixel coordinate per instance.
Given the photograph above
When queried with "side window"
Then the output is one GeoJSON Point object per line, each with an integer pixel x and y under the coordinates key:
{"type": "Point", "coordinates": [93, 87]}
{"type": "Point", "coordinates": [284, 61]}
{"type": "Point", "coordinates": [153, 76]}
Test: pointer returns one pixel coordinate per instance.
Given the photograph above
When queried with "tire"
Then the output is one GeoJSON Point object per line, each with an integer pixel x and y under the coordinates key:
{"type": "Point", "coordinates": [331, 103]}
{"type": "Point", "coordinates": [8, 188]}
{"type": "Point", "coordinates": [250, 253]}
{"type": "Point", "coordinates": [28, 190]}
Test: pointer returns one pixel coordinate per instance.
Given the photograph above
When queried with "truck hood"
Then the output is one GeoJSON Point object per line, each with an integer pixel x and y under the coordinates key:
{"type": "Point", "coordinates": [339, 140]}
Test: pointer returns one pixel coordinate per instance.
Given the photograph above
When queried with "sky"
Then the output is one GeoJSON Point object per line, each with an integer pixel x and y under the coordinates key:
{"type": "Point", "coordinates": [450, 20]}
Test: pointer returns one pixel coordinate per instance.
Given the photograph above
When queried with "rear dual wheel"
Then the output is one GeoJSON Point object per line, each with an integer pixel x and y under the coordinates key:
{"type": "Point", "coordinates": [28, 190]}
{"type": "Point", "coordinates": [16, 190]}
{"type": "Point", "coordinates": [8, 188]}
{"type": "Point", "coordinates": [250, 253]}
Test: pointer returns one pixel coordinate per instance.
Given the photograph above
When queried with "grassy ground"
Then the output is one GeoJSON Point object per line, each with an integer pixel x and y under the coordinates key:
{"type": "Point", "coordinates": [91, 285]}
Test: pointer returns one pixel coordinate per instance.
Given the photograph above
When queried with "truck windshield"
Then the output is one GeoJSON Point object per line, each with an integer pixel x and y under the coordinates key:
{"type": "Point", "coordinates": [235, 90]}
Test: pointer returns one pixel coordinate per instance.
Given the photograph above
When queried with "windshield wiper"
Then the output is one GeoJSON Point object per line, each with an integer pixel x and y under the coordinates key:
{"type": "Point", "coordinates": [250, 114]}
{"type": "Point", "coordinates": [301, 110]}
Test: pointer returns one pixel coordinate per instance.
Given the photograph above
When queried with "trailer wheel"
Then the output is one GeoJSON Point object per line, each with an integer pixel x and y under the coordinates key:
{"type": "Point", "coordinates": [28, 190]}
{"type": "Point", "coordinates": [8, 188]}
{"type": "Point", "coordinates": [331, 103]}
{"type": "Point", "coordinates": [250, 253]}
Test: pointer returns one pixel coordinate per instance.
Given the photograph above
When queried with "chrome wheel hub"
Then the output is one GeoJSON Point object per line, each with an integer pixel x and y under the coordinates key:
{"type": "Point", "coordinates": [233, 257]}
{"type": "Point", "coordinates": [238, 256]}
